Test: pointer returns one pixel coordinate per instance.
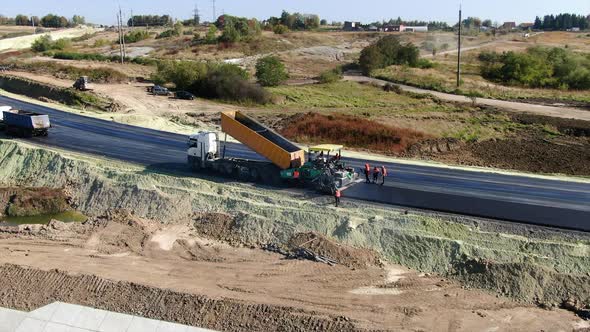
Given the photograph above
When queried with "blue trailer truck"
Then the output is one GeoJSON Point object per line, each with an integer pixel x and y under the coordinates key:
{"type": "Point", "coordinates": [25, 124]}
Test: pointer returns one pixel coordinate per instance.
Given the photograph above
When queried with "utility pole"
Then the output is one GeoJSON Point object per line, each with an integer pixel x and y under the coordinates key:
{"type": "Point", "coordinates": [459, 48]}
{"type": "Point", "coordinates": [120, 38]}
{"type": "Point", "coordinates": [33, 24]}
{"type": "Point", "coordinates": [122, 34]}
{"type": "Point", "coordinates": [214, 11]}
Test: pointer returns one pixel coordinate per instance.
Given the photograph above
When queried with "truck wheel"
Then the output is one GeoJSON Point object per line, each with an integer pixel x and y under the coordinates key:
{"type": "Point", "coordinates": [254, 174]}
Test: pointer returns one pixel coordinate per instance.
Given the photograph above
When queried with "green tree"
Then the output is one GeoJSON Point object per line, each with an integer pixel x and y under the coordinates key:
{"type": "Point", "coordinates": [22, 20]}
{"type": "Point", "coordinates": [211, 37]}
{"type": "Point", "coordinates": [78, 20]}
{"type": "Point", "coordinates": [270, 71]}
{"type": "Point", "coordinates": [280, 29]}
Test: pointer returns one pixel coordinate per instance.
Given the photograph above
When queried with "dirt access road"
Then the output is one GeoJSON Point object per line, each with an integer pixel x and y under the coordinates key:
{"type": "Point", "coordinates": [553, 111]}
{"type": "Point", "coordinates": [240, 286]}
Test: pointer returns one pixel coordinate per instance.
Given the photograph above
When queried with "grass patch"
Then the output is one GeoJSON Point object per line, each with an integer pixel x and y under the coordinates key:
{"type": "Point", "coordinates": [354, 98]}
{"type": "Point", "coordinates": [351, 131]}
{"type": "Point", "coordinates": [442, 78]}
{"type": "Point", "coordinates": [98, 75]}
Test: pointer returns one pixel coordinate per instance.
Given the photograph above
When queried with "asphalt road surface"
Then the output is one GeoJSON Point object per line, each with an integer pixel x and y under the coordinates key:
{"type": "Point", "coordinates": [512, 198]}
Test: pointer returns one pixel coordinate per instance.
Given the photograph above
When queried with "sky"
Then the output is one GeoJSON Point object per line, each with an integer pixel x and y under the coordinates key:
{"type": "Point", "coordinates": [103, 11]}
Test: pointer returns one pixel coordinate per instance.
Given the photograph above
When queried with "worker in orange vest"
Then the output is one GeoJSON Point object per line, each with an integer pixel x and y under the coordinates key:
{"type": "Point", "coordinates": [367, 172]}
{"type": "Point", "coordinates": [376, 172]}
{"type": "Point", "coordinates": [383, 174]}
{"type": "Point", "coordinates": [337, 195]}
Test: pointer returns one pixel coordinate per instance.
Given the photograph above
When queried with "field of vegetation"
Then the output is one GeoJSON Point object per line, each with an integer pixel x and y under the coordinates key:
{"type": "Point", "coordinates": [523, 72]}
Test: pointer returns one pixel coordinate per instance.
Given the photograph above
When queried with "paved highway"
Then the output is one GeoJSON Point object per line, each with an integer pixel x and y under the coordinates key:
{"type": "Point", "coordinates": [513, 198]}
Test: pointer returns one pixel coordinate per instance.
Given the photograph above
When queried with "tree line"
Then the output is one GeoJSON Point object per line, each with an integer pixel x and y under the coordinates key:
{"type": "Point", "coordinates": [562, 22]}
{"type": "Point", "coordinates": [295, 21]}
{"type": "Point", "coordinates": [150, 20]}
{"type": "Point", "coordinates": [47, 21]}
{"type": "Point", "coordinates": [432, 25]}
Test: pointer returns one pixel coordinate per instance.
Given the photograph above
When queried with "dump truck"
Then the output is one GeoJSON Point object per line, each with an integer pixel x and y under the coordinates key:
{"type": "Point", "coordinates": [25, 124]}
{"type": "Point", "coordinates": [286, 161]}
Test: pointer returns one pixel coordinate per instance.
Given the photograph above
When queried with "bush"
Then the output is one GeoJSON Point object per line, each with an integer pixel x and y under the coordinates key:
{"type": "Point", "coordinates": [168, 34]}
{"type": "Point", "coordinates": [103, 75]}
{"type": "Point", "coordinates": [136, 36]}
{"type": "Point", "coordinates": [424, 64]}
{"type": "Point", "coordinates": [538, 67]}
{"type": "Point", "coordinates": [270, 71]}
{"type": "Point", "coordinates": [211, 37]}
{"type": "Point", "coordinates": [45, 43]}
{"type": "Point", "coordinates": [386, 52]}
{"type": "Point", "coordinates": [280, 29]}
{"type": "Point", "coordinates": [331, 76]}
{"type": "Point", "coordinates": [42, 44]}
{"type": "Point", "coordinates": [101, 43]}
{"type": "Point", "coordinates": [211, 80]}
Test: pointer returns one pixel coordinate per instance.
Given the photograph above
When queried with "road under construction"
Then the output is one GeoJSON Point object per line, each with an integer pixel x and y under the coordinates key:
{"type": "Point", "coordinates": [515, 198]}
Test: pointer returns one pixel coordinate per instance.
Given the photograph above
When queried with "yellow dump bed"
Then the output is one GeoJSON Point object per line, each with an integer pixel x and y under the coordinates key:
{"type": "Point", "coordinates": [262, 140]}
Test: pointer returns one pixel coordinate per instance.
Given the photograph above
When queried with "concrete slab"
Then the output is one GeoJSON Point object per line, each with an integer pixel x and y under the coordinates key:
{"type": "Point", "coordinates": [115, 322]}
{"type": "Point", "coordinates": [10, 319]}
{"type": "Point", "coordinates": [171, 327]}
{"type": "Point", "coordinates": [89, 318]}
{"type": "Point", "coordinates": [65, 313]}
{"type": "Point", "coordinates": [65, 317]}
{"type": "Point", "coordinates": [55, 327]}
{"type": "Point", "coordinates": [31, 325]}
{"type": "Point", "coordinates": [143, 325]}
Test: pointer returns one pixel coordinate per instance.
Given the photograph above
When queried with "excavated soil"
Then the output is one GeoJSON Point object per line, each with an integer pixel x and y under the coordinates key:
{"type": "Point", "coordinates": [27, 289]}
{"type": "Point", "coordinates": [342, 254]}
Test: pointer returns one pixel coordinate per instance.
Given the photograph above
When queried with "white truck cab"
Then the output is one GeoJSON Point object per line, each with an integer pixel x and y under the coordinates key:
{"type": "Point", "coordinates": [203, 145]}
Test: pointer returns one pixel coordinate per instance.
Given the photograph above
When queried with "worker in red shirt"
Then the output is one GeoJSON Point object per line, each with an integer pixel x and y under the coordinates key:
{"type": "Point", "coordinates": [337, 195]}
{"type": "Point", "coordinates": [383, 174]}
{"type": "Point", "coordinates": [376, 172]}
{"type": "Point", "coordinates": [367, 172]}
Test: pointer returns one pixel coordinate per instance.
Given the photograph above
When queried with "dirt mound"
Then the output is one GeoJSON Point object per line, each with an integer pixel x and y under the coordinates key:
{"type": "Point", "coordinates": [119, 231]}
{"type": "Point", "coordinates": [24, 202]}
{"type": "Point", "coordinates": [218, 226]}
{"type": "Point", "coordinates": [535, 155]}
{"type": "Point", "coordinates": [342, 254]}
{"type": "Point", "coordinates": [524, 282]}
{"type": "Point", "coordinates": [28, 289]}
{"type": "Point", "coordinates": [570, 127]}
{"type": "Point", "coordinates": [433, 146]}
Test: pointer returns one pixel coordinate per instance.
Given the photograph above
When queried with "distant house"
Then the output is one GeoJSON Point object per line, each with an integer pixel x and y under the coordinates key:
{"type": "Point", "coordinates": [416, 29]}
{"type": "Point", "coordinates": [393, 28]}
{"type": "Point", "coordinates": [508, 26]}
{"type": "Point", "coordinates": [575, 29]}
{"type": "Point", "coordinates": [403, 28]}
{"type": "Point", "coordinates": [352, 26]}
{"type": "Point", "coordinates": [373, 28]}
{"type": "Point", "coordinates": [526, 26]}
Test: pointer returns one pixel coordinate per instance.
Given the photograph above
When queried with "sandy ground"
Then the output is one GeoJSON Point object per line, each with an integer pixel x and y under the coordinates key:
{"type": "Point", "coordinates": [19, 43]}
{"type": "Point", "coordinates": [174, 258]}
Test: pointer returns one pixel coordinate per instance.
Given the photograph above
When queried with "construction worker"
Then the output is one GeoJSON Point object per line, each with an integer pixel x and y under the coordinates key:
{"type": "Point", "coordinates": [367, 172]}
{"type": "Point", "coordinates": [383, 174]}
{"type": "Point", "coordinates": [337, 195]}
{"type": "Point", "coordinates": [376, 172]}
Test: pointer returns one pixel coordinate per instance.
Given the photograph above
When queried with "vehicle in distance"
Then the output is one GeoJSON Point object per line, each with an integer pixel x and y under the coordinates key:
{"type": "Point", "coordinates": [185, 95]}
{"type": "Point", "coordinates": [25, 124]}
{"type": "Point", "coordinates": [82, 84]}
{"type": "Point", "coordinates": [157, 90]}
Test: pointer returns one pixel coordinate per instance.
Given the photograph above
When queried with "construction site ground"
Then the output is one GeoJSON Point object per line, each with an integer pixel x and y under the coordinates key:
{"type": "Point", "coordinates": [191, 253]}
{"type": "Point", "coordinates": [145, 260]}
